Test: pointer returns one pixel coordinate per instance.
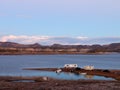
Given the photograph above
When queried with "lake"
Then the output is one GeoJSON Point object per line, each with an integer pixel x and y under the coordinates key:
{"type": "Point", "coordinates": [12, 65]}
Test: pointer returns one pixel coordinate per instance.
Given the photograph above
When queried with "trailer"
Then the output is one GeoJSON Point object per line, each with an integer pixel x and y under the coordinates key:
{"type": "Point", "coordinates": [70, 66]}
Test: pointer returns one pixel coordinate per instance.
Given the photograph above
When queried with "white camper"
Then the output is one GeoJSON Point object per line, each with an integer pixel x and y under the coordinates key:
{"type": "Point", "coordinates": [88, 67]}
{"type": "Point", "coordinates": [70, 66]}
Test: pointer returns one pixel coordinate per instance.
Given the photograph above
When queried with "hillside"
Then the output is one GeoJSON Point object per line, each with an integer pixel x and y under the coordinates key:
{"type": "Point", "coordinates": [16, 48]}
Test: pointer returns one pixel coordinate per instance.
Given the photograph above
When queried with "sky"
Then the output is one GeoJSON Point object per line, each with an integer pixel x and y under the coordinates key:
{"type": "Point", "coordinates": [60, 21]}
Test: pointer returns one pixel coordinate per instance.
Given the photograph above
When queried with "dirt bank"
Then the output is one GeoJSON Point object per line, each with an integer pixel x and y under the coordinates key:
{"type": "Point", "coordinates": [45, 83]}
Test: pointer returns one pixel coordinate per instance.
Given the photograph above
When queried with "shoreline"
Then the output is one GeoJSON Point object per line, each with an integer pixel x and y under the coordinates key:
{"type": "Point", "coordinates": [115, 74]}
{"type": "Point", "coordinates": [73, 53]}
{"type": "Point", "coordinates": [46, 83]}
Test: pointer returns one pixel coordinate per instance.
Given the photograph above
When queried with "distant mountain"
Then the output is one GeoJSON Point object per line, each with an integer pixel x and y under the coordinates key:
{"type": "Point", "coordinates": [16, 48]}
{"type": "Point", "coordinates": [10, 44]}
{"type": "Point", "coordinates": [36, 45]}
{"type": "Point", "coordinates": [115, 47]}
{"type": "Point", "coordinates": [17, 45]}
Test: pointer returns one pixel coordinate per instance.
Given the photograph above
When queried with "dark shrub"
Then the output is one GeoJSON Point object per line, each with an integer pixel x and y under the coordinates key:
{"type": "Point", "coordinates": [77, 68]}
{"type": "Point", "coordinates": [106, 70]}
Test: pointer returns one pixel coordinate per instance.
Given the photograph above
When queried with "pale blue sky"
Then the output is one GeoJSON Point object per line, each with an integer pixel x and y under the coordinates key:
{"type": "Point", "coordinates": [69, 18]}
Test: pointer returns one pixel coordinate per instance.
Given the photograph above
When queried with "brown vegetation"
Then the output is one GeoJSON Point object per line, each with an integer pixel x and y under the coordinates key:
{"type": "Point", "coordinates": [16, 83]}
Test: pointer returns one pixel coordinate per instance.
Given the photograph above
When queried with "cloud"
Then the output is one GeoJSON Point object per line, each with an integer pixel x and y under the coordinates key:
{"type": "Point", "coordinates": [49, 40]}
{"type": "Point", "coordinates": [23, 39]}
{"type": "Point", "coordinates": [46, 40]}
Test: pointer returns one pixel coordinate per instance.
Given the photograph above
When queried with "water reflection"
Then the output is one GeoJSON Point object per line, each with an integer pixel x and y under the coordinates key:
{"type": "Point", "coordinates": [89, 76]}
{"type": "Point", "coordinates": [85, 75]}
{"type": "Point", "coordinates": [77, 76]}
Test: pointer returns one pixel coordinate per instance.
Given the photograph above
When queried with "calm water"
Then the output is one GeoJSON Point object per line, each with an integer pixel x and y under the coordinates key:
{"type": "Point", "coordinates": [13, 65]}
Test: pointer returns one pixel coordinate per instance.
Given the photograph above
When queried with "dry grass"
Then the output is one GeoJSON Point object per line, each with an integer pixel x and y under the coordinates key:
{"type": "Point", "coordinates": [7, 83]}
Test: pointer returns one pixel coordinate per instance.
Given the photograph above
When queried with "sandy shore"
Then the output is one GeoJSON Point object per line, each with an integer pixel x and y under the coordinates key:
{"type": "Point", "coordinates": [45, 83]}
